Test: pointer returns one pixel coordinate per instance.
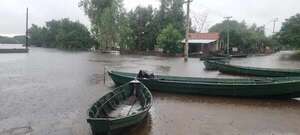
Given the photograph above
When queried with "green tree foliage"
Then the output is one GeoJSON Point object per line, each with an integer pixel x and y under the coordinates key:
{"type": "Point", "coordinates": [169, 40]}
{"type": "Point", "coordinates": [127, 36]}
{"type": "Point", "coordinates": [105, 17]}
{"type": "Point", "coordinates": [171, 12]}
{"type": "Point", "coordinates": [63, 34]}
{"type": "Point", "coordinates": [37, 35]}
{"type": "Point", "coordinates": [146, 23]}
{"type": "Point", "coordinates": [144, 26]}
{"type": "Point", "coordinates": [248, 39]}
{"type": "Point", "coordinates": [289, 34]}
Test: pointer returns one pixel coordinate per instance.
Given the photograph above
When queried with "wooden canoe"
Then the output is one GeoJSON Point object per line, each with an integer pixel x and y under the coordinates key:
{"type": "Point", "coordinates": [253, 88]}
{"type": "Point", "coordinates": [216, 58]}
{"type": "Point", "coordinates": [125, 106]}
{"type": "Point", "coordinates": [209, 66]}
{"type": "Point", "coordinates": [251, 71]}
{"type": "Point", "coordinates": [239, 56]}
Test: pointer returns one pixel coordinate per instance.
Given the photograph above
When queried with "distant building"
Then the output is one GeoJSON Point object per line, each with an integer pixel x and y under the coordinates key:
{"type": "Point", "coordinates": [203, 43]}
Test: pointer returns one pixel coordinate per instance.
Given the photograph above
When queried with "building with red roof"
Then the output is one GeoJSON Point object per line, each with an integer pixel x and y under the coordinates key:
{"type": "Point", "coordinates": [203, 43]}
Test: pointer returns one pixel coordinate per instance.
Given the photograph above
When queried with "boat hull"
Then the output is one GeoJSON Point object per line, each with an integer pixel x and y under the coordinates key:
{"type": "Point", "coordinates": [244, 88]}
{"type": "Point", "coordinates": [251, 71]}
{"type": "Point", "coordinates": [103, 127]}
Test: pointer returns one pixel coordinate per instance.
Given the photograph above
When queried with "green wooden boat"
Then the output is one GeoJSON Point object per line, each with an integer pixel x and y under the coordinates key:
{"type": "Point", "coordinates": [215, 58]}
{"type": "Point", "coordinates": [127, 105]}
{"type": "Point", "coordinates": [283, 87]}
{"type": "Point", "coordinates": [239, 56]}
{"type": "Point", "coordinates": [251, 71]}
{"type": "Point", "coordinates": [219, 59]}
{"type": "Point", "coordinates": [209, 66]}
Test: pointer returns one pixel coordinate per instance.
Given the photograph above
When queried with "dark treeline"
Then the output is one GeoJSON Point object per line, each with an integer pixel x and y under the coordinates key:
{"type": "Point", "coordinates": [64, 34]}
{"type": "Point", "coordinates": [250, 39]}
{"type": "Point", "coordinates": [253, 38]}
{"type": "Point", "coordinates": [148, 28]}
{"type": "Point", "coordinates": [12, 40]}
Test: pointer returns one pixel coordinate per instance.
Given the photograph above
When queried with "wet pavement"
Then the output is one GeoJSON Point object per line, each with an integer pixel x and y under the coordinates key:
{"type": "Point", "coordinates": [48, 92]}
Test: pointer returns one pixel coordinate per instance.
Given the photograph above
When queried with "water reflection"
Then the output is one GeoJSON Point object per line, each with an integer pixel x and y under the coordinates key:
{"type": "Point", "coordinates": [144, 128]}
{"type": "Point", "coordinates": [12, 58]}
{"type": "Point", "coordinates": [194, 115]}
{"type": "Point", "coordinates": [232, 101]}
{"type": "Point", "coordinates": [277, 60]}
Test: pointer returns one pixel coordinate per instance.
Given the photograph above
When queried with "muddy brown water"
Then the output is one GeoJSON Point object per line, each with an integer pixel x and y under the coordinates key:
{"type": "Point", "coordinates": [48, 92]}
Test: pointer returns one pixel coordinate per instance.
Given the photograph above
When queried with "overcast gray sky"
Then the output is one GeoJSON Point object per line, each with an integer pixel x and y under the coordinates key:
{"type": "Point", "coordinates": [261, 12]}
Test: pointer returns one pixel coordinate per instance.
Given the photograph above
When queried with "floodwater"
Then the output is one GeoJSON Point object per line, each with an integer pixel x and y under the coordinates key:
{"type": "Point", "coordinates": [48, 92]}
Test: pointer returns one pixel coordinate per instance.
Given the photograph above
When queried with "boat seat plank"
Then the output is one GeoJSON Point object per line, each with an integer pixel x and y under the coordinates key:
{"type": "Point", "coordinates": [131, 105]}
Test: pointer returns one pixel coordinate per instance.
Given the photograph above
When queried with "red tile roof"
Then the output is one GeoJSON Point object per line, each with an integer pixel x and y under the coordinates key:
{"type": "Point", "coordinates": [207, 36]}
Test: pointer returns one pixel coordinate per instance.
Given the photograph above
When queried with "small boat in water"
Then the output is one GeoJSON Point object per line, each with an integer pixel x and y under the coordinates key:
{"type": "Point", "coordinates": [127, 105]}
{"type": "Point", "coordinates": [219, 59]}
{"type": "Point", "coordinates": [251, 71]}
{"type": "Point", "coordinates": [111, 51]}
{"type": "Point", "coordinates": [208, 66]}
{"type": "Point", "coordinates": [239, 56]}
{"type": "Point", "coordinates": [248, 87]}
{"type": "Point", "coordinates": [215, 58]}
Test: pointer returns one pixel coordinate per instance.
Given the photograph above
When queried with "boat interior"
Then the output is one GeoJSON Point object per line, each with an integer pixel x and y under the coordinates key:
{"type": "Point", "coordinates": [124, 101]}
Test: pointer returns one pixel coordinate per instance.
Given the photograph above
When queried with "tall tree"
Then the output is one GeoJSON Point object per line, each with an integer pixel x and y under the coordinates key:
{"type": "Point", "coordinates": [143, 24]}
{"type": "Point", "coordinates": [37, 35]}
{"type": "Point", "coordinates": [290, 32]}
{"type": "Point", "coordinates": [127, 35]}
{"type": "Point", "coordinates": [104, 16]}
{"type": "Point", "coordinates": [171, 12]}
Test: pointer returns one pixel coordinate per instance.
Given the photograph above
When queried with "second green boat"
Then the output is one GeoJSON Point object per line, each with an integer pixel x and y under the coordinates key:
{"type": "Point", "coordinates": [251, 71]}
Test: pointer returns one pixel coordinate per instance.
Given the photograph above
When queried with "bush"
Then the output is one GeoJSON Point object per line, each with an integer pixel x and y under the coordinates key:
{"type": "Point", "coordinates": [169, 40]}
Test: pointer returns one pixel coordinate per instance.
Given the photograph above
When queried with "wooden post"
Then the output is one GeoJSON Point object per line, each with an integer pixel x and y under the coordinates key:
{"type": "Point", "coordinates": [186, 47]}
{"type": "Point", "coordinates": [274, 24]}
{"type": "Point", "coordinates": [26, 29]}
{"type": "Point", "coordinates": [228, 42]}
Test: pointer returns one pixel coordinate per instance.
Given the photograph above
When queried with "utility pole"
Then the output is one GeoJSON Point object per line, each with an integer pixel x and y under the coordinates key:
{"type": "Point", "coordinates": [274, 24]}
{"type": "Point", "coordinates": [26, 29]}
{"type": "Point", "coordinates": [186, 47]}
{"type": "Point", "coordinates": [228, 36]}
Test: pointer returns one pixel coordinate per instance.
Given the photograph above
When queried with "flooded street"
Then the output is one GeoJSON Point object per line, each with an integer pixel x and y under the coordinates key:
{"type": "Point", "coordinates": [48, 92]}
